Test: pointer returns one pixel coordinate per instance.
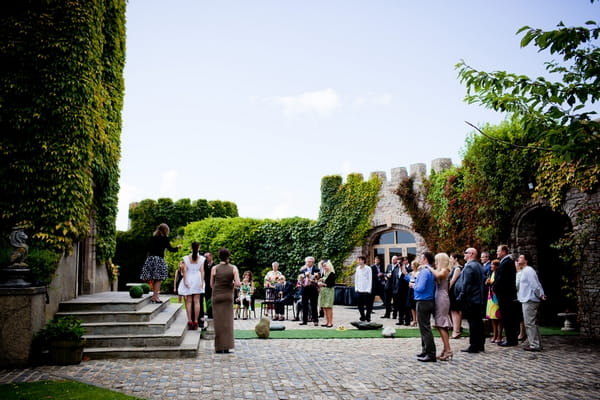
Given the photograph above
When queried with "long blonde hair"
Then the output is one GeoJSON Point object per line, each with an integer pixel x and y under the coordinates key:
{"type": "Point", "coordinates": [442, 265]}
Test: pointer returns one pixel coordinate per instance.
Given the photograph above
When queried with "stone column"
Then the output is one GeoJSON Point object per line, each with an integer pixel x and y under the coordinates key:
{"type": "Point", "coordinates": [22, 315]}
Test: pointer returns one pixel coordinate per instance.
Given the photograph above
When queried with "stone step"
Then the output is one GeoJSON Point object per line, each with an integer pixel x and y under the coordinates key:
{"type": "Point", "coordinates": [144, 314]}
{"type": "Point", "coordinates": [107, 302]}
{"type": "Point", "coordinates": [118, 326]}
{"type": "Point", "coordinates": [160, 322]}
{"type": "Point", "coordinates": [171, 336]}
{"type": "Point", "coordinates": [188, 348]}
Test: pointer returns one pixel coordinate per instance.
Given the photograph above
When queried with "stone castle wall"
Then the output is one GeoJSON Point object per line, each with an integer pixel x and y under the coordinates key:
{"type": "Point", "coordinates": [390, 212]}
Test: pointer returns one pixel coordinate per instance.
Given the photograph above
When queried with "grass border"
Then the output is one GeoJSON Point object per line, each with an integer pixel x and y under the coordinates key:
{"type": "Point", "coordinates": [352, 333]}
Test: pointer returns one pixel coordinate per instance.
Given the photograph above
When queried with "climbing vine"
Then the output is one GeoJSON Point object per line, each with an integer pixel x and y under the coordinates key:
{"type": "Point", "coordinates": [61, 95]}
{"type": "Point", "coordinates": [472, 205]}
{"type": "Point", "coordinates": [345, 215]}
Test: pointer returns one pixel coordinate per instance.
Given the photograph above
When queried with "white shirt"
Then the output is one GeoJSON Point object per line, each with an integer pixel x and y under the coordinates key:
{"type": "Point", "coordinates": [529, 287]}
{"type": "Point", "coordinates": [363, 279]}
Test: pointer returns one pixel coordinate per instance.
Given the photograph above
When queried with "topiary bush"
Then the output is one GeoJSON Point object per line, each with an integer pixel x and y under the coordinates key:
{"type": "Point", "coordinates": [145, 287]}
{"type": "Point", "coordinates": [136, 292]}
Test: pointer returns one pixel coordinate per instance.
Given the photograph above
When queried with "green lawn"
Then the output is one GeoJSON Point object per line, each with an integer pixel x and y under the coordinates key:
{"type": "Point", "coordinates": [64, 390]}
{"type": "Point", "coordinates": [353, 333]}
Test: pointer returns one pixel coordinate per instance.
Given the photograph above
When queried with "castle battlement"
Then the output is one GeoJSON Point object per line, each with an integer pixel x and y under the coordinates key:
{"type": "Point", "coordinates": [418, 171]}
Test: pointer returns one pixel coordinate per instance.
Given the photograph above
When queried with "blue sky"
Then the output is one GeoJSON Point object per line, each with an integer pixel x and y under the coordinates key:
{"type": "Point", "coordinates": [255, 101]}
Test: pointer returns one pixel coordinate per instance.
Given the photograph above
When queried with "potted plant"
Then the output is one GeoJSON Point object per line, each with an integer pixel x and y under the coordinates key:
{"type": "Point", "coordinates": [63, 337]}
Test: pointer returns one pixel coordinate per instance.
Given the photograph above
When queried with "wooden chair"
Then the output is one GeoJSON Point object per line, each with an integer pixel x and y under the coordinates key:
{"type": "Point", "coordinates": [239, 312]}
{"type": "Point", "coordinates": [268, 303]}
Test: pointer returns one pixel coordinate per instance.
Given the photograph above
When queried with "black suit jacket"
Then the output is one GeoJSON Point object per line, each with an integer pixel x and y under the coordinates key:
{"type": "Point", "coordinates": [505, 285]}
{"type": "Point", "coordinates": [207, 267]}
{"type": "Point", "coordinates": [376, 285]}
{"type": "Point", "coordinates": [399, 284]}
{"type": "Point", "coordinates": [389, 281]}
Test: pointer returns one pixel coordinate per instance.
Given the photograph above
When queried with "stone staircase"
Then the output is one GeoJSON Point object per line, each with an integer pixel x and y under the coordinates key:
{"type": "Point", "coordinates": [118, 326]}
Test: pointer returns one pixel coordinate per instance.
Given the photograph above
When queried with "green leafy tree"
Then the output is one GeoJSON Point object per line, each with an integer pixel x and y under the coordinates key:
{"type": "Point", "coordinates": [472, 205]}
{"type": "Point", "coordinates": [555, 113]}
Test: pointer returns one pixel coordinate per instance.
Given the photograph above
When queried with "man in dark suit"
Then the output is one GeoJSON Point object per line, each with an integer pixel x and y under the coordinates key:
{"type": "Point", "coordinates": [310, 292]}
{"type": "Point", "coordinates": [400, 292]}
{"type": "Point", "coordinates": [470, 293]}
{"type": "Point", "coordinates": [387, 288]}
{"type": "Point", "coordinates": [505, 287]}
{"type": "Point", "coordinates": [486, 264]}
{"type": "Point", "coordinates": [207, 295]}
{"type": "Point", "coordinates": [378, 281]}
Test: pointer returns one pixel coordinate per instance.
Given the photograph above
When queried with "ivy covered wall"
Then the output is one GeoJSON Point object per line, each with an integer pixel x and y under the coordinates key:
{"type": "Point", "coordinates": [61, 95]}
{"type": "Point", "coordinates": [344, 221]}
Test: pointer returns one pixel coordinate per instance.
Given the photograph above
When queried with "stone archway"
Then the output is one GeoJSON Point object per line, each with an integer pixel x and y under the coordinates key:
{"type": "Point", "coordinates": [407, 243]}
{"type": "Point", "coordinates": [535, 230]}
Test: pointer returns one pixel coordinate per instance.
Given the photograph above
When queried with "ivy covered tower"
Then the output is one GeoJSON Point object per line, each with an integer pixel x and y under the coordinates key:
{"type": "Point", "coordinates": [61, 96]}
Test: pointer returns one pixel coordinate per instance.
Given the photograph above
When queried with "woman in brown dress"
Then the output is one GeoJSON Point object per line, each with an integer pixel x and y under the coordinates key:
{"type": "Point", "coordinates": [224, 277]}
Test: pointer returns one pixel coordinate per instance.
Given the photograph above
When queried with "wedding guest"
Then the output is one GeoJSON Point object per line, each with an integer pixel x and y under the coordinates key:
{"type": "Point", "coordinates": [522, 332]}
{"type": "Point", "coordinates": [424, 287]}
{"type": "Point", "coordinates": [400, 292]}
{"type": "Point", "coordinates": [470, 293]}
{"type": "Point", "coordinates": [176, 281]}
{"type": "Point", "coordinates": [410, 297]}
{"type": "Point", "coordinates": [245, 294]}
{"type": "Point", "coordinates": [269, 284]}
{"type": "Point", "coordinates": [327, 292]}
{"type": "Point", "coordinates": [441, 317]}
{"type": "Point", "coordinates": [363, 277]}
{"type": "Point", "coordinates": [155, 268]}
{"type": "Point", "coordinates": [530, 293]}
{"type": "Point", "coordinates": [388, 289]}
{"type": "Point", "coordinates": [223, 278]}
{"type": "Point", "coordinates": [284, 295]}
{"type": "Point", "coordinates": [377, 282]}
{"type": "Point", "coordinates": [492, 308]}
{"type": "Point", "coordinates": [455, 307]}
{"type": "Point", "coordinates": [506, 290]}
{"type": "Point", "coordinates": [192, 284]}
{"type": "Point", "coordinates": [205, 298]}
{"type": "Point", "coordinates": [310, 291]}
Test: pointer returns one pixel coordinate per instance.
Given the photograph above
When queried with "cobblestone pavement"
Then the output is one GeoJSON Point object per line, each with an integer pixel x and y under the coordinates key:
{"type": "Point", "coordinates": [568, 368]}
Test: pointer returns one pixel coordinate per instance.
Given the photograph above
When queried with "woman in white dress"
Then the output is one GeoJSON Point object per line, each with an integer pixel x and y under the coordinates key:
{"type": "Point", "coordinates": [192, 284]}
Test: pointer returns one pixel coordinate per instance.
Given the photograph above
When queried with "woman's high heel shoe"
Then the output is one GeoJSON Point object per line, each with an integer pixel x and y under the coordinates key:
{"type": "Point", "coordinates": [446, 356]}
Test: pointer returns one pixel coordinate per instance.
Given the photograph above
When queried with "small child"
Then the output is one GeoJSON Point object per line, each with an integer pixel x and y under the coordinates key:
{"type": "Point", "coordinates": [246, 291]}
{"type": "Point", "coordinates": [177, 281]}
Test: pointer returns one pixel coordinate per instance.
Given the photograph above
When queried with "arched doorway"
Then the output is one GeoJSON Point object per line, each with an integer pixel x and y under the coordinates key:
{"type": "Point", "coordinates": [394, 243]}
{"type": "Point", "coordinates": [538, 229]}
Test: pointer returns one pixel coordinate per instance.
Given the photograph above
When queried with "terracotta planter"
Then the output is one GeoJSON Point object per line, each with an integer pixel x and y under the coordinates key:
{"type": "Point", "coordinates": [66, 352]}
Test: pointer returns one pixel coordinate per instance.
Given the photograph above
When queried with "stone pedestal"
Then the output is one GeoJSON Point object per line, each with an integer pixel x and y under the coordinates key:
{"type": "Point", "coordinates": [14, 277]}
{"type": "Point", "coordinates": [22, 314]}
{"type": "Point", "coordinates": [569, 321]}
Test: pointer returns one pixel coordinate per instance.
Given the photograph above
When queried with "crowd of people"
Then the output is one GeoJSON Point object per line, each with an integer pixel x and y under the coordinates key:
{"type": "Point", "coordinates": [505, 291]}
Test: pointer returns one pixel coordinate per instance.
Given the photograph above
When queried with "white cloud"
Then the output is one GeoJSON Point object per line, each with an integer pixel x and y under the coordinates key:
{"type": "Point", "coordinates": [377, 99]}
{"type": "Point", "coordinates": [321, 102]}
{"type": "Point", "coordinates": [168, 185]}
